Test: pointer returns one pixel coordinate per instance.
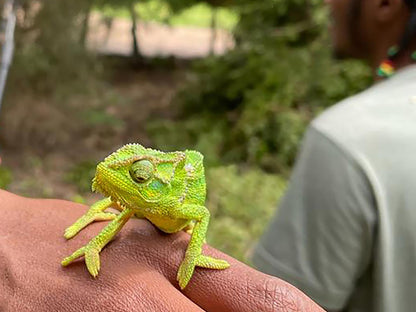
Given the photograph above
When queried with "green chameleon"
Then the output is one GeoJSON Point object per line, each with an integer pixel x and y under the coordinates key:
{"type": "Point", "coordinates": [168, 189]}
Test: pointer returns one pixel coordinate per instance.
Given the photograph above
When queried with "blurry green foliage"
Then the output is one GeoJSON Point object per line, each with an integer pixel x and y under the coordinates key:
{"type": "Point", "coordinates": [31, 187]}
{"type": "Point", "coordinates": [49, 52]}
{"type": "Point", "coordinates": [77, 198]}
{"type": "Point", "coordinates": [6, 177]}
{"type": "Point", "coordinates": [98, 116]}
{"type": "Point", "coordinates": [57, 89]}
{"type": "Point", "coordinates": [260, 97]}
{"type": "Point", "coordinates": [241, 203]}
{"type": "Point", "coordinates": [81, 175]}
{"type": "Point", "coordinates": [200, 133]}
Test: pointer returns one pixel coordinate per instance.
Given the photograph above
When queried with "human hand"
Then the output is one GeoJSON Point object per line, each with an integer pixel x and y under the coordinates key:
{"type": "Point", "coordinates": [138, 269]}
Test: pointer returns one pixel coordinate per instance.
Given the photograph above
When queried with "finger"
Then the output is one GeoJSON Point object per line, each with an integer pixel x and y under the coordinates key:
{"type": "Point", "coordinates": [241, 288]}
{"type": "Point", "coordinates": [148, 291]}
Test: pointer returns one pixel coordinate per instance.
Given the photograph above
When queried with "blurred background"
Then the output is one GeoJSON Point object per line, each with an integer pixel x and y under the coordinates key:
{"type": "Point", "coordinates": [237, 80]}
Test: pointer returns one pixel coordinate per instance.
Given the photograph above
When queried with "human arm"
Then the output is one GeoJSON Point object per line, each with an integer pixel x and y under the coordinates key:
{"type": "Point", "coordinates": [138, 273]}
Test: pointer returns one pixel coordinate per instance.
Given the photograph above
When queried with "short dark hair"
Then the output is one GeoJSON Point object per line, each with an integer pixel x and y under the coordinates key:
{"type": "Point", "coordinates": [411, 3]}
{"type": "Point", "coordinates": [410, 31]}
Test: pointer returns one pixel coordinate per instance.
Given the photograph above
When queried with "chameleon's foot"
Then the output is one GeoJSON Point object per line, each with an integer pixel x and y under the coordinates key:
{"type": "Point", "coordinates": [92, 250]}
{"type": "Point", "coordinates": [92, 258]}
{"type": "Point", "coordinates": [85, 220]}
{"type": "Point", "coordinates": [188, 266]}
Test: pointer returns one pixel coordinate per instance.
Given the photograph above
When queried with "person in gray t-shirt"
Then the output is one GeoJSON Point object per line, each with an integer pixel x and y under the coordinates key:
{"type": "Point", "coordinates": [345, 232]}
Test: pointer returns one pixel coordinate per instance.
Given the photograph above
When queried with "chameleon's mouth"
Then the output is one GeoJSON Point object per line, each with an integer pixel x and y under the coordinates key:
{"type": "Point", "coordinates": [98, 183]}
{"type": "Point", "coordinates": [108, 182]}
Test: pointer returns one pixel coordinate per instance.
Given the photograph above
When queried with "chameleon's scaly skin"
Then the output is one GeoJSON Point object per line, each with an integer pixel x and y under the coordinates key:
{"type": "Point", "coordinates": [168, 189]}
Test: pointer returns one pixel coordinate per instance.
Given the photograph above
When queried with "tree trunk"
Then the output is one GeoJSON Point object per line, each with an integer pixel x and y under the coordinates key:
{"type": "Point", "coordinates": [213, 30]}
{"type": "Point", "coordinates": [136, 50]}
{"type": "Point", "coordinates": [84, 29]}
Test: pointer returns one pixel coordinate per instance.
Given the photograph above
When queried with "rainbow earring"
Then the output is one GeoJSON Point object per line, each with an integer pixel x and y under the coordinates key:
{"type": "Point", "coordinates": [387, 67]}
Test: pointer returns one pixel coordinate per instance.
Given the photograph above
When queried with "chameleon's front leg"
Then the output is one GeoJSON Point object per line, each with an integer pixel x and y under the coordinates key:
{"type": "Point", "coordinates": [92, 249]}
{"type": "Point", "coordinates": [95, 213]}
{"type": "Point", "coordinates": [193, 255]}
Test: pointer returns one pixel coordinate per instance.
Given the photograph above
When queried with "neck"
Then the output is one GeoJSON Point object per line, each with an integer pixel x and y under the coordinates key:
{"type": "Point", "coordinates": [404, 59]}
{"type": "Point", "coordinates": [403, 30]}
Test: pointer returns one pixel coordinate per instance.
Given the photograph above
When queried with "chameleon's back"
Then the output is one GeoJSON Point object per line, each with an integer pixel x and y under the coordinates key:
{"type": "Point", "coordinates": [195, 178]}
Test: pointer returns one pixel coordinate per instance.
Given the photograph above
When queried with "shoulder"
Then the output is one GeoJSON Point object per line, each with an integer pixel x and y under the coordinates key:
{"type": "Point", "coordinates": [371, 116]}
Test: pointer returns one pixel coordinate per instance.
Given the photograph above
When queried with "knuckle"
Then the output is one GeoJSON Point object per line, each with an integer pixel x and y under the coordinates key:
{"type": "Point", "coordinates": [271, 294]}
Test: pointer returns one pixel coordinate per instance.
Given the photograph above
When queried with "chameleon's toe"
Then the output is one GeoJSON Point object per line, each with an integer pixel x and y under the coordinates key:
{"type": "Point", "coordinates": [185, 272]}
{"type": "Point", "coordinates": [71, 232]}
{"type": "Point", "coordinates": [85, 220]}
{"type": "Point", "coordinates": [77, 254]}
{"type": "Point", "coordinates": [92, 258]}
{"type": "Point", "coordinates": [187, 267]}
{"type": "Point", "coordinates": [211, 263]}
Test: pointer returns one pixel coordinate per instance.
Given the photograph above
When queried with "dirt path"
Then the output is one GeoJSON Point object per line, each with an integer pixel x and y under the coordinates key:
{"type": "Point", "coordinates": [155, 39]}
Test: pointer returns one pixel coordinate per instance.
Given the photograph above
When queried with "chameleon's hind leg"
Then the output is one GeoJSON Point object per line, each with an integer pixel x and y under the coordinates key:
{"type": "Point", "coordinates": [95, 213]}
{"type": "Point", "coordinates": [92, 250]}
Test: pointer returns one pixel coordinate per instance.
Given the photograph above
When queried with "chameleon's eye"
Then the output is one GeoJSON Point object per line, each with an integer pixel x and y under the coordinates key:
{"type": "Point", "coordinates": [141, 171]}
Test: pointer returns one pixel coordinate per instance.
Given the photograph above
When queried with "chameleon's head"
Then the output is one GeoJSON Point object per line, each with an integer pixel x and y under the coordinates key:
{"type": "Point", "coordinates": [137, 176]}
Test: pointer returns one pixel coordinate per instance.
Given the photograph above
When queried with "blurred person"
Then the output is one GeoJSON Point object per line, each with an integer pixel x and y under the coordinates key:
{"type": "Point", "coordinates": [345, 231]}
{"type": "Point", "coordinates": [138, 269]}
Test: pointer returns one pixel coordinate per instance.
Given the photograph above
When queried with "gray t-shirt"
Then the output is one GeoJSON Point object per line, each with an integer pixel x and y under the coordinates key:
{"type": "Point", "coordinates": [345, 232]}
